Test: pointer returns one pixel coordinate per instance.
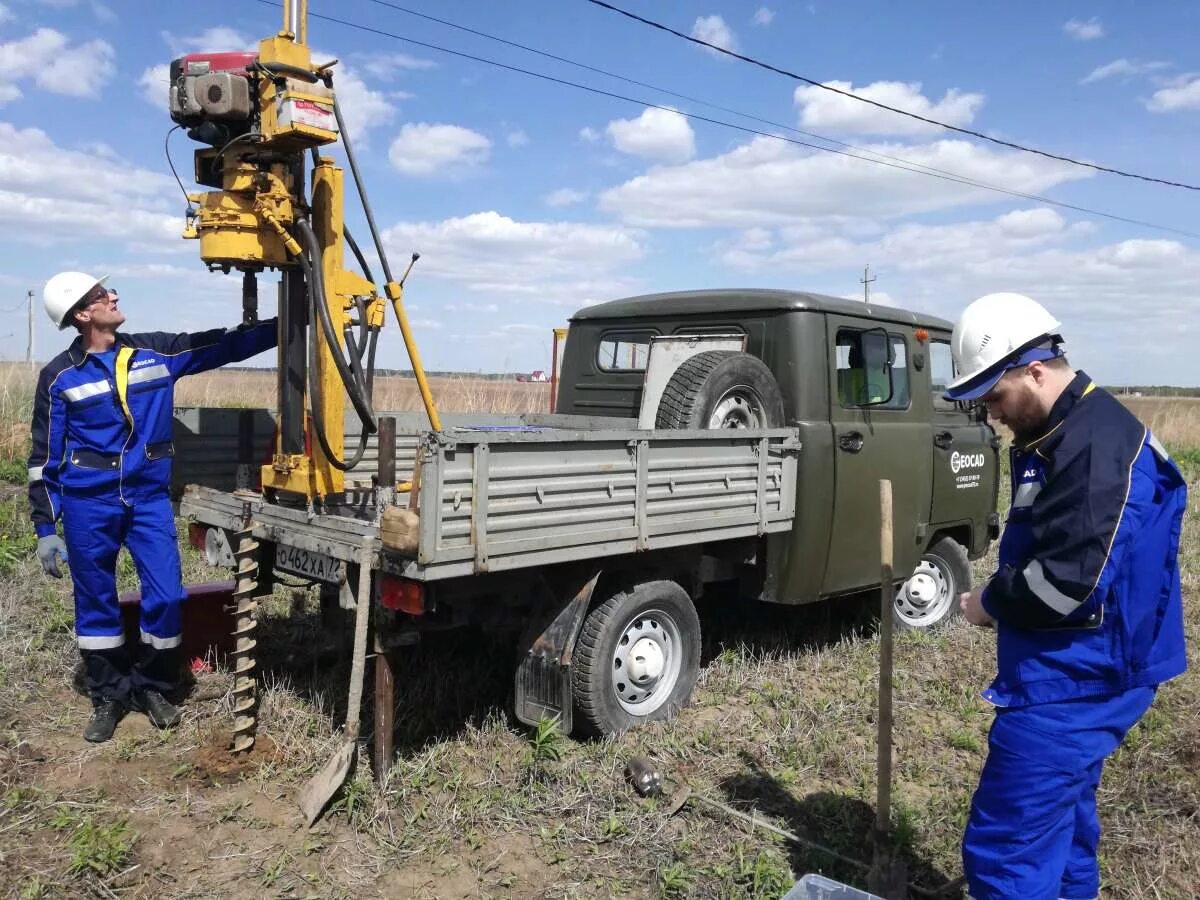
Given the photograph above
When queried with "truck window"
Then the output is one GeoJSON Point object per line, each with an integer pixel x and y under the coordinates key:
{"type": "Point", "coordinates": [862, 375]}
{"type": "Point", "coordinates": [941, 373]}
{"type": "Point", "coordinates": [626, 352]}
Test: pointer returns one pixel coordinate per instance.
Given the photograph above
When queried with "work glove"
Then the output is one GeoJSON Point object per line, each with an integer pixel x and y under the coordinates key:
{"type": "Point", "coordinates": [49, 549]}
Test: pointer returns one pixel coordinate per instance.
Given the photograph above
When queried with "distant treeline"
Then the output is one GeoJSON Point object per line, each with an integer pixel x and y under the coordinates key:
{"type": "Point", "coordinates": [404, 373]}
{"type": "Point", "coordinates": [1154, 390]}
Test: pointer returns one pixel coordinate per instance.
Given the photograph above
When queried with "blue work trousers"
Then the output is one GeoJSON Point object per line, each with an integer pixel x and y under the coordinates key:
{"type": "Point", "coordinates": [1033, 832]}
{"type": "Point", "coordinates": [94, 530]}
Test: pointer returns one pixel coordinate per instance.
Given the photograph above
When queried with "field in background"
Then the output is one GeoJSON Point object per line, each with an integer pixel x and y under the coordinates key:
{"type": "Point", "coordinates": [782, 724]}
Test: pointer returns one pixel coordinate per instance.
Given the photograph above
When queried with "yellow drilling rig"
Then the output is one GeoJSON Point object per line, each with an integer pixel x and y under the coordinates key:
{"type": "Point", "coordinates": [278, 204]}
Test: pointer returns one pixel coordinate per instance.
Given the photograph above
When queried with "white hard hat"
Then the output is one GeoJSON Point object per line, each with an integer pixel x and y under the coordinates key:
{"type": "Point", "coordinates": [996, 333]}
{"type": "Point", "coordinates": [64, 290]}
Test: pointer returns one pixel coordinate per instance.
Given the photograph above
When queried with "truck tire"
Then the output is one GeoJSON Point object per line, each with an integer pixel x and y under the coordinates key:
{"type": "Point", "coordinates": [721, 389]}
{"type": "Point", "coordinates": [929, 597]}
{"type": "Point", "coordinates": [636, 660]}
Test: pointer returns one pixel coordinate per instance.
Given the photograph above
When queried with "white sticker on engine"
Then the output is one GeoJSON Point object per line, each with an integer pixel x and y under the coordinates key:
{"type": "Point", "coordinates": [294, 112]}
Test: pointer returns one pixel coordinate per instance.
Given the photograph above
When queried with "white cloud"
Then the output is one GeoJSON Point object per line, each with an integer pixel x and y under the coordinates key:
{"type": "Point", "coordinates": [589, 134]}
{"type": "Point", "coordinates": [387, 66]}
{"type": "Point", "coordinates": [53, 63]}
{"type": "Point", "coordinates": [820, 108]}
{"type": "Point", "coordinates": [1084, 31]}
{"type": "Point", "coordinates": [154, 85]}
{"type": "Point", "coordinates": [49, 194]}
{"type": "Point", "coordinates": [763, 16]}
{"type": "Point", "coordinates": [1091, 286]}
{"type": "Point", "coordinates": [1122, 68]}
{"type": "Point", "coordinates": [217, 39]}
{"type": "Point", "coordinates": [549, 261]}
{"type": "Point", "coordinates": [517, 138]}
{"type": "Point", "coordinates": [422, 148]}
{"type": "Point", "coordinates": [362, 108]}
{"type": "Point", "coordinates": [565, 197]}
{"type": "Point", "coordinates": [5, 14]}
{"type": "Point", "coordinates": [769, 182]}
{"type": "Point", "coordinates": [713, 30]}
{"type": "Point", "coordinates": [656, 134]}
{"type": "Point", "coordinates": [1183, 94]}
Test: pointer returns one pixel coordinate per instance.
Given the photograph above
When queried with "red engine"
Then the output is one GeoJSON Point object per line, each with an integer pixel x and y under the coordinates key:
{"type": "Point", "coordinates": [212, 87]}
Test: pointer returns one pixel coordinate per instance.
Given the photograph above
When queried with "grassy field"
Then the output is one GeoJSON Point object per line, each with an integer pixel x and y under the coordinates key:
{"type": "Point", "coordinates": [476, 806]}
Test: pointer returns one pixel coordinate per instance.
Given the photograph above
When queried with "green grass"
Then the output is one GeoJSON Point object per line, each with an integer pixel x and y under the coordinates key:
{"type": "Point", "coordinates": [781, 725]}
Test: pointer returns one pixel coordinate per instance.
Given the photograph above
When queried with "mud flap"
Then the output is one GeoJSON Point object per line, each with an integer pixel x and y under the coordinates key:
{"type": "Point", "coordinates": [543, 677]}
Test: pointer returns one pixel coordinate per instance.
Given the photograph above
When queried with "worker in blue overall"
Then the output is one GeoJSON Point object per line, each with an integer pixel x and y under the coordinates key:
{"type": "Point", "coordinates": [101, 461]}
{"type": "Point", "coordinates": [1085, 601]}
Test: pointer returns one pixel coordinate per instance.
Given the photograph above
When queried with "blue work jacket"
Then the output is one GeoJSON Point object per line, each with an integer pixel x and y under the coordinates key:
{"type": "Point", "coordinates": [104, 430]}
{"type": "Point", "coordinates": [1087, 595]}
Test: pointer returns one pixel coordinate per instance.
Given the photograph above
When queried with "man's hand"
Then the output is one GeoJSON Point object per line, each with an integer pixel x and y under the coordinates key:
{"type": "Point", "coordinates": [972, 609]}
{"type": "Point", "coordinates": [49, 549]}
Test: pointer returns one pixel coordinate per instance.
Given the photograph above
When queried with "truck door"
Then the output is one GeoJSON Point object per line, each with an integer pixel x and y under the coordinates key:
{"type": "Point", "coordinates": [880, 430]}
{"type": "Point", "coordinates": [965, 458]}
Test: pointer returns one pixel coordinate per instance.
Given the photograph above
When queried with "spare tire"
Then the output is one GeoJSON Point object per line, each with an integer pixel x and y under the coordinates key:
{"type": "Point", "coordinates": [721, 389]}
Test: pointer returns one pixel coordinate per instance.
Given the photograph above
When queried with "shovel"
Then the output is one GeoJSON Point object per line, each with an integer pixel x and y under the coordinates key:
{"type": "Point", "coordinates": [316, 794]}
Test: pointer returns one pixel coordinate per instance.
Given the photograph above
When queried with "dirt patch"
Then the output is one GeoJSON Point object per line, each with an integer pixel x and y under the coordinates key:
{"type": "Point", "coordinates": [213, 762]}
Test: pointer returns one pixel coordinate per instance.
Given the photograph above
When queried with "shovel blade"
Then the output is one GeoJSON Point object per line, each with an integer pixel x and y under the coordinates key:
{"type": "Point", "coordinates": [316, 794]}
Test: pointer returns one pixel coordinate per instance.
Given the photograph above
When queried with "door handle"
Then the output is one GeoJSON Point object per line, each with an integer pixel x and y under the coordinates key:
{"type": "Point", "coordinates": [851, 441]}
{"type": "Point", "coordinates": [944, 440]}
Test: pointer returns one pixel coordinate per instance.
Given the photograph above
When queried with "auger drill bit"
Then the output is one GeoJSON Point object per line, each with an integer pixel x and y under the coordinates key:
{"type": "Point", "coordinates": [245, 657]}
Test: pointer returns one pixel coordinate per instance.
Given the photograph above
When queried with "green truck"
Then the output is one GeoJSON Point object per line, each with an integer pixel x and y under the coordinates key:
{"type": "Point", "coordinates": [732, 437]}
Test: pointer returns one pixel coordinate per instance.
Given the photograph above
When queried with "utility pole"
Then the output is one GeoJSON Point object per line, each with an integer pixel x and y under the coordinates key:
{"type": "Point", "coordinates": [29, 346]}
{"type": "Point", "coordinates": [866, 283]}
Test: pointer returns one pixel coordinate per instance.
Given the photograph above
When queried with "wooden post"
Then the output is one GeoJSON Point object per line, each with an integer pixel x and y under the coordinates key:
{"type": "Point", "coordinates": [385, 684]}
{"type": "Point", "coordinates": [385, 709]}
{"type": "Point", "coordinates": [888, 875]}
{"type": "Point", "coordinates": [883, 805]}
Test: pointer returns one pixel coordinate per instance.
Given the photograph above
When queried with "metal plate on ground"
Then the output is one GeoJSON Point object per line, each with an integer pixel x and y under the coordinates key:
{"type": "Point", "coordinates": [308, 564]}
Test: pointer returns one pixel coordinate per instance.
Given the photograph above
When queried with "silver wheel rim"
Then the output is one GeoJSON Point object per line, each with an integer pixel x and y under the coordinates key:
{"type": "Point", "coordinates": [925, 598]}
{"type": "Point", "coordinates": [739, 407]}
{"type": "Point", "coordinates": [646, 662]}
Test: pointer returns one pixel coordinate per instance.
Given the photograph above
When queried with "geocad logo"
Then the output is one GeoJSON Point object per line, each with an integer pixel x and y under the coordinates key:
{"type": "Point", "coordinates": [960, 461]}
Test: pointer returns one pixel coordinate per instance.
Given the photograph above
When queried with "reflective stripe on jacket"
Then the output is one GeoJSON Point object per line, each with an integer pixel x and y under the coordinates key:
{"type": "Point", "coordinates": [107, 432]}
{"type": "Point", "coordinates": [1087, 595]}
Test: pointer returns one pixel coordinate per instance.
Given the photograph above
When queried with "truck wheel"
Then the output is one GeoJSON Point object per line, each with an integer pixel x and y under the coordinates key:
{"type": "Point", "coordinates": [930, 595]}
{"type": "Point", "coordinates": [721, 389]}
{"type": "Point", "coordinates": [637, 658]}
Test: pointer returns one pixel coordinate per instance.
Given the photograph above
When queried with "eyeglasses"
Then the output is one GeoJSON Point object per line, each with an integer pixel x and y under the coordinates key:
{"type": "Point", "coordinates": [99, 294]}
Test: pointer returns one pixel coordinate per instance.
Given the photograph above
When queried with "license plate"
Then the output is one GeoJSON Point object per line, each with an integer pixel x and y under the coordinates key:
{"type": "Point", "coordinates": [309, 564]}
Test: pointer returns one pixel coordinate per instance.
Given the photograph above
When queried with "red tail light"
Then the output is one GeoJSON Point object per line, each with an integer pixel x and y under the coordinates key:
{"type": "Point", "coordinates": [196, 533]}
{"type": "Point", "coordinates": [402, 595]}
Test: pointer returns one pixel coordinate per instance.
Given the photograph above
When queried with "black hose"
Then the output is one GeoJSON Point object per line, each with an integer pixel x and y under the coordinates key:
{"type": "Point", "coordinates": [358, 254]}
{"type": "Point", "coordinates": [314, 384]}
{"type": "Point", "coordinates": [371, 341]}
{"type": "Point", "coordinates": [362, 192]}
{"type": "Point", "coordinates": [361, 306]}
{"type": "Point", "coordinates": [317, 288]}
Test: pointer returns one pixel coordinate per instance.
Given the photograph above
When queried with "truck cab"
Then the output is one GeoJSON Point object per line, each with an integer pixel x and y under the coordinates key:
{"type": "Point", "coordinates": [863, 383]}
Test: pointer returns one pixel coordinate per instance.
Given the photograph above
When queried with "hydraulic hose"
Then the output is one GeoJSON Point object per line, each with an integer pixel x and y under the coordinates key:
{"type": "Point", "coordinates": [362, 404]}
{"type": "Point", "coordinates": [316, 298]}
{"type": "Point", "coordinates": [358, 254]}
{"type": "Point", "coordinates": [402, 319]}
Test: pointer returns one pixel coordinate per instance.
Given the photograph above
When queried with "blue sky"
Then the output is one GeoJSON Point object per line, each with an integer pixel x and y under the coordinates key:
{"type": "Point", "coordinates": [529, 199]}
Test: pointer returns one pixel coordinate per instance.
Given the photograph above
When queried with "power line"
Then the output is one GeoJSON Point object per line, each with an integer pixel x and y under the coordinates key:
{"type": "Point", "coordinates": [742, 128]}
{"type": "Point", "coordinates": [903, 112]}
{"type": "Point", "coordinates": [671, 93]}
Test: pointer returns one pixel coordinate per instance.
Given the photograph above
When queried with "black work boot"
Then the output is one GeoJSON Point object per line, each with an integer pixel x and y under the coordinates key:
{"type": "Point", "coordinates": [103, 723]}
{"type": "Point", "coordinates": [160, 711]}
